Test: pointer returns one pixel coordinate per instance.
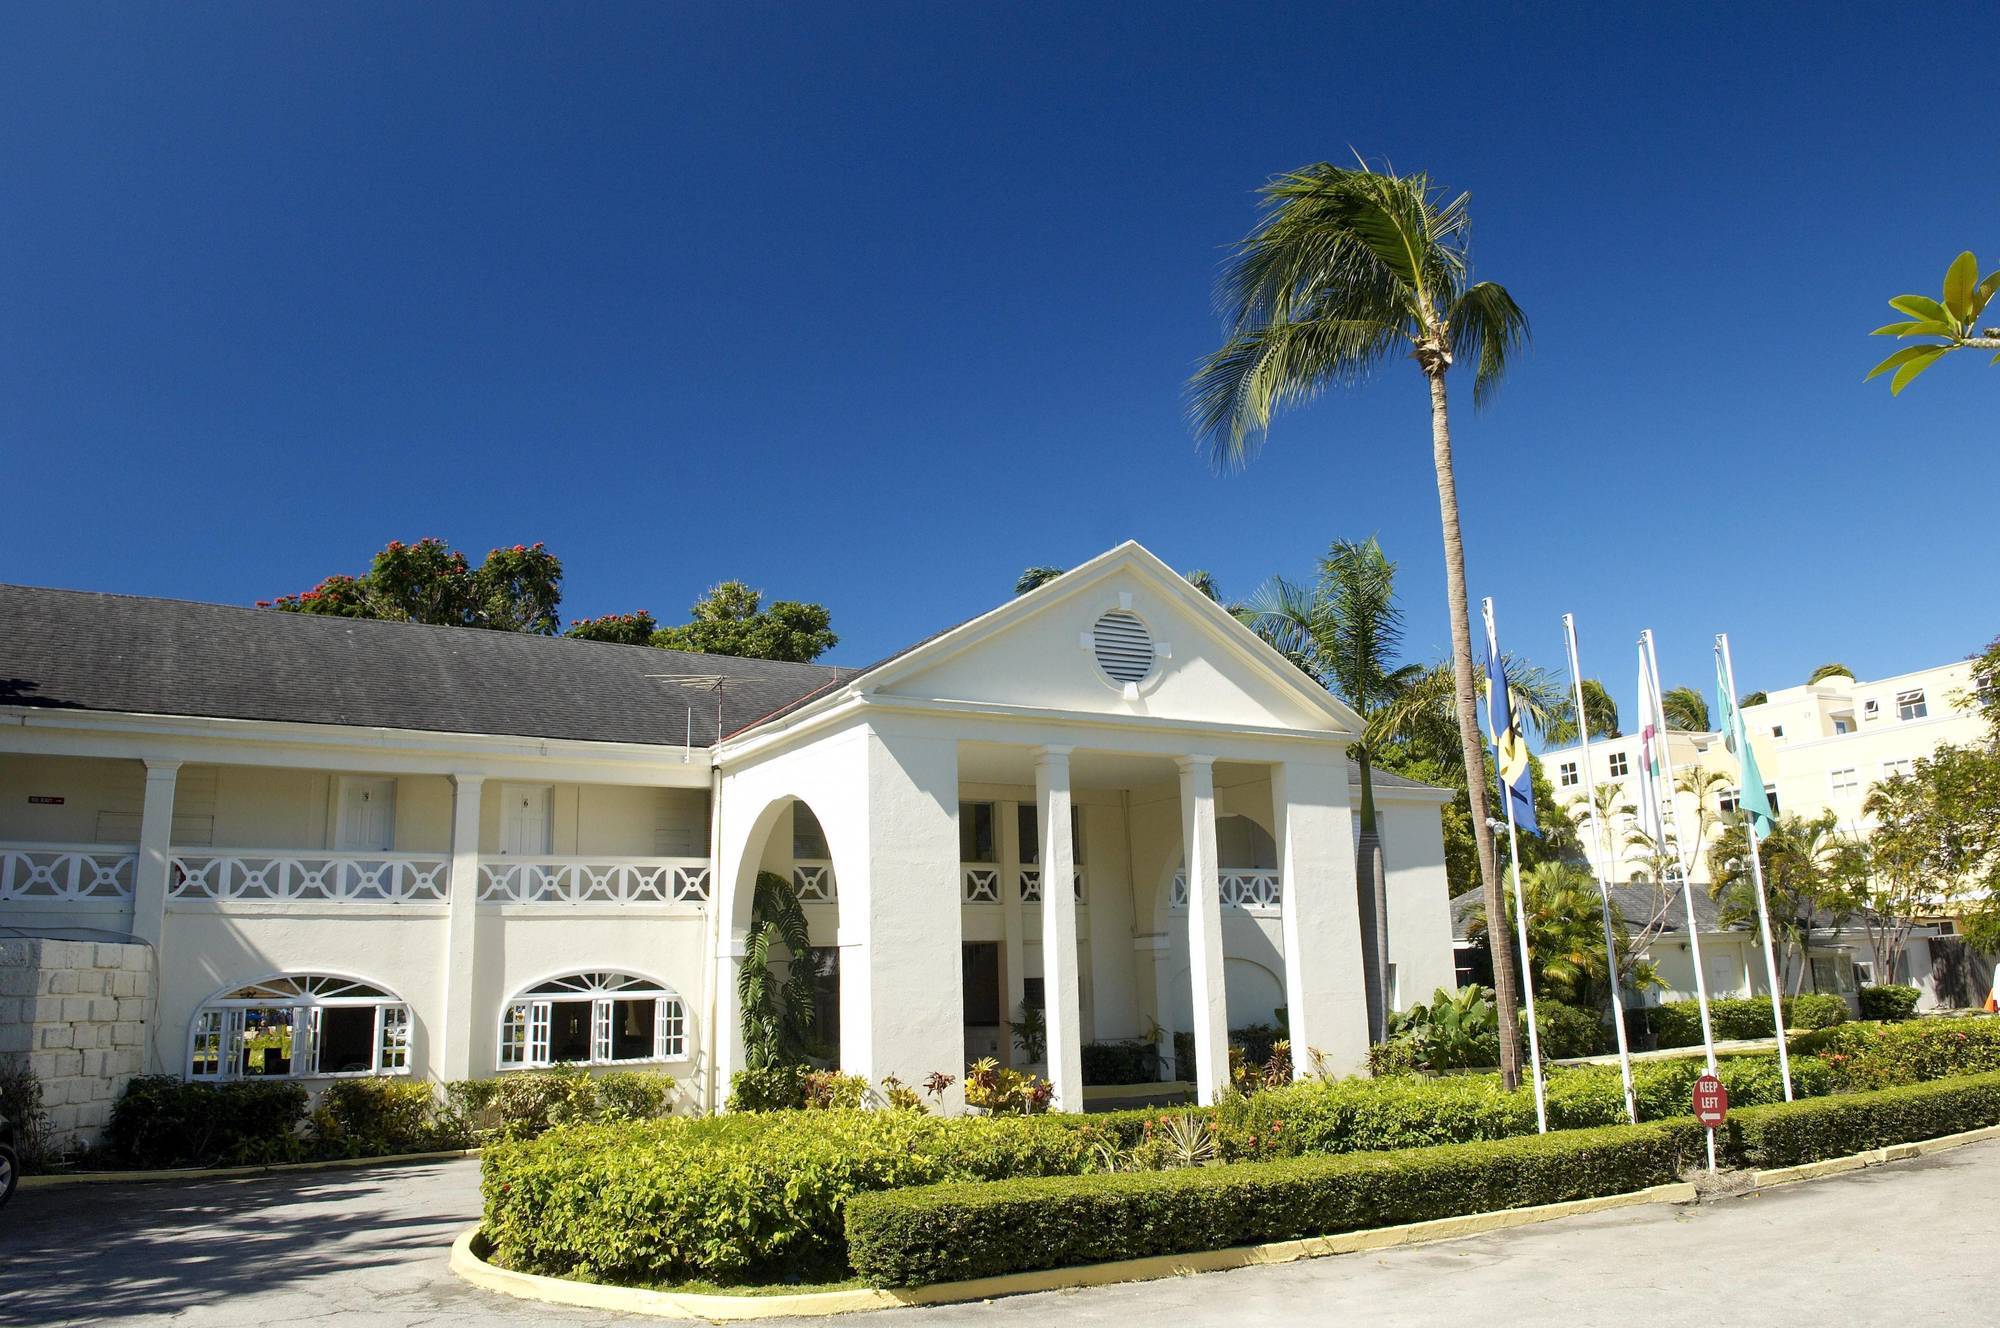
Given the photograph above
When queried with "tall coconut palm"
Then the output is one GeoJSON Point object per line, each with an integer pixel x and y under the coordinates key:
{"type": "Point", "coordinates": [1598, 708]}
{"type": "Point", "coordinates": [1345, 631]}
{"type": "Point", "coordinates": [1685, 708]}
{"type": "Point", "coordinates": [1350, 270]}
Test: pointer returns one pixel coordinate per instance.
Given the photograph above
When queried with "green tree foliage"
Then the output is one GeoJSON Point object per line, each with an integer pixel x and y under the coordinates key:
{"type": "Point", "coordinates": [513, 590]}
{"type": "Point", "coordinates": [1685, 708]}
{"type": "Point", "coordinates": [1825, 671]}
{"type": "Point", "coordinates": [1810, 872]}
{"type": "Point", "coordinates": [1952, 320]}
{"type": "Point", "coordinates": [732, 620]}
{"type": "Point", "coordinates": [1752, 698]}
{"type": "Point", "coordinates": [1566, 937]}
{"type": "Point", "coordinates": [1598, 708]}
{"type": "Point", "coordinates": [625, 629]}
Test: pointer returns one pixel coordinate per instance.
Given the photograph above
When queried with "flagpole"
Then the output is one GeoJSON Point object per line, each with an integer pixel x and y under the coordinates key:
{"type": "Point", "coordinates": [1670, 827]}
{"type": "Point", "coordinates": [1740, 734]}
{"type": "Point", "coordinates": [1603, 841]}
{"type": "Point", "coordinates": [1672, 814]}
{"type": "Point", "coordinates": [1520, 908]}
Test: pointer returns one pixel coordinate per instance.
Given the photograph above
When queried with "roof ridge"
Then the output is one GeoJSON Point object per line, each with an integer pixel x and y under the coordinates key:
{"type": "Point", "coordinates": [408, 623]}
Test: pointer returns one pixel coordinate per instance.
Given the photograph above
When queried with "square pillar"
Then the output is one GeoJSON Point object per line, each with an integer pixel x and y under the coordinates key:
{"type": "Point", "coordinates": [1326, 983]}
{"type": "Point", "coordinates": [1205, 980]}
{"type": "Point", "coordinates": [902, 979]}
{"type": "Point", "coordinates": [1062, 996]}
{"type": "Point", "coordinates": [156, 838]}
{"type": "Point", "coordinates": [1013, 934]}
{"type": "Point", "coordinates": [452, 1054]}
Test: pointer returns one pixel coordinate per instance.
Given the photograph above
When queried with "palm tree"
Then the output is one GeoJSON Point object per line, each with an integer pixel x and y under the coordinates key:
{"type": "Point", "coordinates": [1598, 708]}
{"type": "Point", "coordinates": [1806, 881]}
{"type": "Point", "coordinates": [777, 1017]}
{"type": "Point", "coordinates": [1566, 937]}
{"type": "Point", "coordinates": [1343, 631]}
{"type": "Point", "coordinates": [1352, 269]}
{"type": "Point", "coordinates": [1685, 710]}
{"type": "Point", "coordinates": [1825, 671]}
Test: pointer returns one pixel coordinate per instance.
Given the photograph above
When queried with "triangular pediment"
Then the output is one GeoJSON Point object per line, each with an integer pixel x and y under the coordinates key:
{"type": "Point", "coordinates": [1121, 635]}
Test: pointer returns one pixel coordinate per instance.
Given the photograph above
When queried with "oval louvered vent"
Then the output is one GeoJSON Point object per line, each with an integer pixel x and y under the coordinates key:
{"type": "Point", "coordinates": [1124, 648]}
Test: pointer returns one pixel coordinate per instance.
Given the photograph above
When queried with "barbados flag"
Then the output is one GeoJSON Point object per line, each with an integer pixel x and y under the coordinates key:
{"type": "Point", "coordinates": [1510, 745]}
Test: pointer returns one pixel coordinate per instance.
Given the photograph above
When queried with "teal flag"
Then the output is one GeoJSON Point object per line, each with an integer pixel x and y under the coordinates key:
{"type": "Point", "coordinates": [1752, 799]}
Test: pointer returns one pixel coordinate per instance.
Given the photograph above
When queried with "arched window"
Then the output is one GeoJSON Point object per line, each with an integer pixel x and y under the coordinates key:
{"type": "Point", "coordinates": [592, 1019]}
{"type": "Point", "coordinates": [300, 1025]}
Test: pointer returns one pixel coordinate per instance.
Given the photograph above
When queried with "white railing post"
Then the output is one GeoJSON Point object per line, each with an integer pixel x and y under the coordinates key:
{"type": "Point", "coordinates": [156, 837]}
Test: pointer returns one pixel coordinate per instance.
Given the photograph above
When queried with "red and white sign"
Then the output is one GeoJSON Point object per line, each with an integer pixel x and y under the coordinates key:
{"type": "Point", "coordinates": [1711, 1101]}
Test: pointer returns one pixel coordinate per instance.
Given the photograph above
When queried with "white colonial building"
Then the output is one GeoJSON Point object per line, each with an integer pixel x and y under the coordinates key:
{"type": "Point", "coordinates": [360, 847]}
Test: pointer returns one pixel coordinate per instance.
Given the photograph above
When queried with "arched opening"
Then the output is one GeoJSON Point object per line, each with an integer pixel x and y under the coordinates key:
{"type": "Point", "coordinates": [593, 1018]}
{"type": "Point", "coordinates": [789, 854]}
{"type": "Point", "coordinates": [300, 1026]}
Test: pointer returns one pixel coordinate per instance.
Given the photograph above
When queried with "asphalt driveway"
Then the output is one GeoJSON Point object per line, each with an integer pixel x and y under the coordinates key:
{"type": "Point", "coordinates": [367, 1248]}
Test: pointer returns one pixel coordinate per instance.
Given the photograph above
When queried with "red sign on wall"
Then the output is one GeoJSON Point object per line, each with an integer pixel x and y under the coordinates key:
{"type": "Point", "coordinates": [1711, 1101]}
{"type": "Point", "coordinates": [42, 800]}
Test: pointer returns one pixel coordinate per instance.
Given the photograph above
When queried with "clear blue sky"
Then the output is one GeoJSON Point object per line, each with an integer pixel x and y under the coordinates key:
{"type": "Point", "coordinates": [875, 305]}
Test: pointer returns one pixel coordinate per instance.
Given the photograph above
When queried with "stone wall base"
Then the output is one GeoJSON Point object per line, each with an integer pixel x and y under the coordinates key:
{"type": "Point", "coordinates": [77, 1013]}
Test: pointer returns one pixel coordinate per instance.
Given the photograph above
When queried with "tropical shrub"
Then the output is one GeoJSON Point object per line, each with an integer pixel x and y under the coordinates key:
{"type": "Point", "coordinates": [830, 1090]}
{"type": "Point", "coordinates": [1889, 1002]}
{"type": "Point", "coordinates": [941, 1233]}
{"type": "Point", "coordinates": [161, 1121]}
{"type": "Point", "coordinates": [1566, 1031]}
{"type": "Point", "coordinates": [1456, 1030]}
{"type": "Point", "coordinates": [1678, 1023]}
{"type": "Point", "coordinates": [769, 1088]}
{"type": "Point", "coordinates": [524, 1103]}
{"type": "Point", "coordinates": [1863, 1057]}
{"type": "Point", "coordinates": [1001, 1091]}
{"type": "Point", "coordinates": [377, 1117]}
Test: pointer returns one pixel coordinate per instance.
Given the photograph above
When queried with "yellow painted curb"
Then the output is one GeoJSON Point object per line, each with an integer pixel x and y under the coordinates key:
{"type": "Point", "coordinates": [54, 1179]}
{"type": "Point", "coordinates": [467, 1263]}
{"type": "Point", "coordinates": [1873, 1157]}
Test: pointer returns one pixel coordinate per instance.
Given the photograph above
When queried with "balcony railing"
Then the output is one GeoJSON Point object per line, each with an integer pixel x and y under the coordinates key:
{"type": "Point", "coordinates": [592, 880]}
{"type": "Point", "coordinates": [1031, 885]}
{"type": "Point", "coordinates": [980, 883]}
{"type": "Point", "coordinates": [289, 876]}
{"type": "Point", "coordinates": [1241, 887]}
{"type": "Point", "coordinates": [67, 873]}
{"type": "Point", "coordinates": [813, 881]}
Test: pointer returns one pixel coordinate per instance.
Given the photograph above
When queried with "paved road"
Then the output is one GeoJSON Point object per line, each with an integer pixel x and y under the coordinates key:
{"type": "Point", "coordinates": [366, 1248]}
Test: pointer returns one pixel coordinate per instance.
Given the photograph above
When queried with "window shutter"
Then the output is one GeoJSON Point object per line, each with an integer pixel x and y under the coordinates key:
{"type": "Point", "coordinates": [538, 1033]}
{"type": "Point", "coordinates": [600, 1029]}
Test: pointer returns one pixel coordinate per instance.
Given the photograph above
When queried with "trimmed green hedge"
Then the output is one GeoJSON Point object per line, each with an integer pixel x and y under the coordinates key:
{"type": "Point", "coordinates": [951, 1232]}
{"type": "Point", "coordinates": [738, 1197]}
{"type": "Point", "coordinates": [161, 1121]}
{"type": "Point", "coordinates": [944, 1233]}
{"type": "Point", "coordinates": [1790, 1133]}
{"type": "Point", "coordinates": [1867, 1056]}
{"type": "Point", "coordinates": [1678, 1023]}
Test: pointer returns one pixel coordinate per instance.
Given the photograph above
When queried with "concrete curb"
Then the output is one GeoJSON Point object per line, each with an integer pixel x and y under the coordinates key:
{"type": "Point", "coordinates": [468, 1264]}
{"type": "Point", "coordinates": [54, 1179]}
{"type": "Point", "coordinates": [1874, 1157]}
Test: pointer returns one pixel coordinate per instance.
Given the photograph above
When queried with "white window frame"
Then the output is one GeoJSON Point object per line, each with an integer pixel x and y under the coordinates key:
{"type": "Point", "coordinates": [1778, 732]}
{"type": "Point", "coordinates": [1844, 780]}
{"type": "Point", "coordinates": [1901, 765]}
{"type": "Point", "coordinates": [1567, 775]}
{"type": "Point", "coordinates": [220, 1020]}
{"type": "Point", "coordinates": [1871, 708]}
{"type": "Point", "coordinates": [526, 1020]}
{"type": "Point", "coordinates": [1912, 704]}
{"type": "Point", "coordinates": [1617, 765]}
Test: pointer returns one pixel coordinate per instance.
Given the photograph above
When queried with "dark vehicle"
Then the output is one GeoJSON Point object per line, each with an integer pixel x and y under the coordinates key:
{"type": "Point", "coordinates": [10, 1161]}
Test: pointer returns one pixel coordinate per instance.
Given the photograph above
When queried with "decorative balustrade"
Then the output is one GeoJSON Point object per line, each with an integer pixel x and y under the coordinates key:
{"type": "Point", "coordinates": [1031, 885]}
{"type": "Point", "coordinates": [982, 883]}
{"type": "Point", "coordinates": [588, 880]}
{"type": "Point", "coordinates": [66, 872]}
{"type": "Point", "coordinates": [286, 876]}
{"type": "Point", "coordinates": [1241, 887]}
{"type": "Point", "coordinates": [813, 881]}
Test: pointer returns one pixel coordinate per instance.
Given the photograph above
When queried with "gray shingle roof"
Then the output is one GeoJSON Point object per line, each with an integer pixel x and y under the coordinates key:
{"type": "Point", "coordinates": [1634, 902]}
{"type": "Point", "coordinates": [74, 649]}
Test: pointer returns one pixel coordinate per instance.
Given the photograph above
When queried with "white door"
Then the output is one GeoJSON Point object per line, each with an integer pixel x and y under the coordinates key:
{"type": "Point", "coordinates": [1725, 972]}
{"type": "Point", "coordinates": [367, 816]}
{"type": "Point", "coordinates": [524, 820]}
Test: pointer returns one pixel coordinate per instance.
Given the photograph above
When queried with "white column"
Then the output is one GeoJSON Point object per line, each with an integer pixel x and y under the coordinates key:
{"type": "Point", "coordinates": [1061, 994]}
{"type": "Point", "coordinates": [1326, 994]}
{"type": "Point", "coordinates": [1211, 999]}
{"type": "Point", "coordinates": [156, 837]}
{"type": "Point", "coordinates": [455, 1033]}
{"type": "Point", "coordinates": [1013, 942]}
